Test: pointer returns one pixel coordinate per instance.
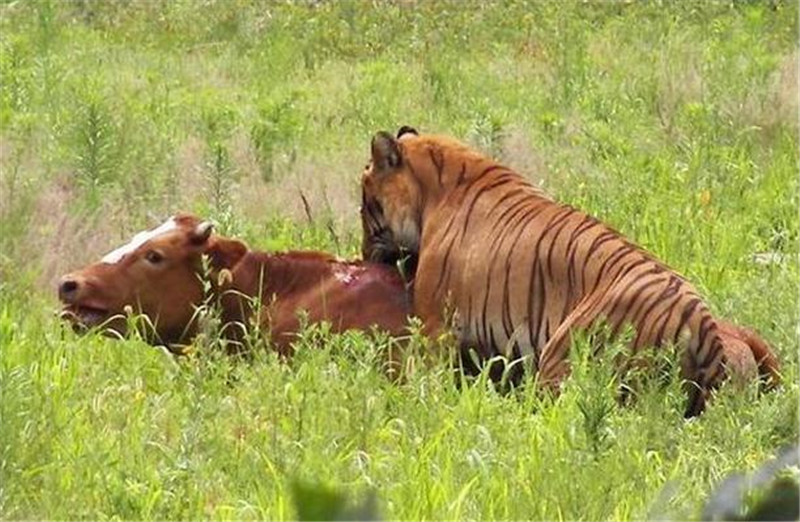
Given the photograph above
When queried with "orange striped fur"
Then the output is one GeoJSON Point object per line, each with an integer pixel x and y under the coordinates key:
{"type": "Point", "coordinates": [522, 272]}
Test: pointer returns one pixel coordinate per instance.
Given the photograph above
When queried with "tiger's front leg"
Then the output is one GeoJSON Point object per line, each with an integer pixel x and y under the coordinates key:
{"type": "Point", "coordinates": [434, 329]}
{"type": "Point", "coordinates": [437, 321]}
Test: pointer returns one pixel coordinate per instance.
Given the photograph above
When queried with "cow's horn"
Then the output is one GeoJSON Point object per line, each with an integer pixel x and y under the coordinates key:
{"type": "Point", "coordinates": [202, 232]}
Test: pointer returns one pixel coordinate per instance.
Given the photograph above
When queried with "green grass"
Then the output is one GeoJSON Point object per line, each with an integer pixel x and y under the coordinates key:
{"type": "Point", "coordinates": [676, 124]}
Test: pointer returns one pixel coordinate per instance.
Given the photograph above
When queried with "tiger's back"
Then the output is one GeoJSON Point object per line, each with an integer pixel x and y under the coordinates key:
{"type": "Point", "coordinates": [522, 272]}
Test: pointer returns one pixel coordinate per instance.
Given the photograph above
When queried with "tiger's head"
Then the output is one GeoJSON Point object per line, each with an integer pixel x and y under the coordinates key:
{"type": "Point", "coordinates": [408, 176]}
{"type": "Point", "coordinates": [391, 204]}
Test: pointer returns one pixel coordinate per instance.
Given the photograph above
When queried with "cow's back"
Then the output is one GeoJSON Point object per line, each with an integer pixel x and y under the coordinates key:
{"type": "Point", "coordinates": [300, 287]}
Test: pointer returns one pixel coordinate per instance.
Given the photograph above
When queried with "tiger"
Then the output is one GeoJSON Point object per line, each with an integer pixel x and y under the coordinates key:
{"type": "Point", "coordinates": [520, 273]}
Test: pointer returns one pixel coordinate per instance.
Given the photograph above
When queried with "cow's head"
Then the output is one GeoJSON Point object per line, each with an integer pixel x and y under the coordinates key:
{"type": "Point", "coordinates": [157, 274]}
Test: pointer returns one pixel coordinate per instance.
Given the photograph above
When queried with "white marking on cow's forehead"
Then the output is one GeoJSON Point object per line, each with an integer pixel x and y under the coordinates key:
{"type": "Point", "coordinates": [138, 240]}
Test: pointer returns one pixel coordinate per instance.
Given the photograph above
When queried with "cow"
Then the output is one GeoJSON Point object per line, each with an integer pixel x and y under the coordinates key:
{"type": "Point", "coordinates": [161, 274]}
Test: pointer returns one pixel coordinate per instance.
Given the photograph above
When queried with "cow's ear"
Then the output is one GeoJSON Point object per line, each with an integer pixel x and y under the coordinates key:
{"type": "Point", "coordinates": [225, 253]}
{"type": "Point", "coordinates": [385, 152]}
{"type": "Point", "coordinates": [201, 233]}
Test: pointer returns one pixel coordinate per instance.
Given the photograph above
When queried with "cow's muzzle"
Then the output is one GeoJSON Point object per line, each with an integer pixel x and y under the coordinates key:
{"type": "Point", "coordinates": [78, 310]}
{"type": "Point", "coordinates": [68, 289]}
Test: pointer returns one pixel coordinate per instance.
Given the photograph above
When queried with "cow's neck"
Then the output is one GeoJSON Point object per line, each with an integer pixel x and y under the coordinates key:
{"type": "Point", "coordinates": [264, 275]}
{"type": "Point", "coordinates": [259, 279]}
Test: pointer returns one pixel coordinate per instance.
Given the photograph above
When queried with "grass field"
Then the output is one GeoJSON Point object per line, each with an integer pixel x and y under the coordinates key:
{"type": "Point", "coordinates": [676, 124]}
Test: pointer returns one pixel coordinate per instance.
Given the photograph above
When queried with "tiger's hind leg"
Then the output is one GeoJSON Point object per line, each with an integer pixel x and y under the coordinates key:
{"type": "Point", "coordinates": [553, 364]}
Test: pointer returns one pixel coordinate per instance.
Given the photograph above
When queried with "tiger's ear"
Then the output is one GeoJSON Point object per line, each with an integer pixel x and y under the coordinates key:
{"type": "Point", "coordinates": [385, 152]}
{"type": "Point", "coordinates": [405, 129]}
{"type": "Point", "coordinates": [224, 253]}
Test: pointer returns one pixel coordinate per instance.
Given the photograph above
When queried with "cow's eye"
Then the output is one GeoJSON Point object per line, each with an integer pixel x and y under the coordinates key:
{"type": "Point", "coordinates": [154, 257]}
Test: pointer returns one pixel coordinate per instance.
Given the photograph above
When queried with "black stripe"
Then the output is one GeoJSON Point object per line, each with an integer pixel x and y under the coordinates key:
{"type": "Point", "coordinates": [561, 223]}
{"type": "Point", "coordinates": [546, 330]}
{"type": "Point", "coordinates": [510, 224]}
{"type": "Point", "coordinates": [456, 214]}
{"type": "Point", "coordinates": [490, 272]}
{"type": "Point", "coordinates": [445, 265]}
{"type": "Point", "coordinates": [687, 311]}
{"type": "Point", "coordinates": [438, 163]}
{"type": "Point", "coordinates": [705, 325]}
{"type": "Point", "coordinates": [572, 245]}
{"type": "Point", "coordinates": [600, 300]}
{"type": "Point", "coordinates": [718, 368]}
{"type": "Point", "coordinates": [516, 354]}
{"type": "Point", "coordinates": [636, 311]}
{"type": "Point", "coordinates": [540, 306]}
{"type": "Point", "coordinates": [619, 254]}
{"type": "Point", "coordinates": [596, 244]}
{"type": "Point", "coordinates": [614, 258]}
{"type": "Point", "coordinates": [513, 209]}
{"type": "Point", "coordinates": [524, 222]}
{"type": "Point", "coordinates": [670, 291]}
{"type": "Point", "coordinates": [461, 175]}
{"type": "Point", "coordinates": [487, 288]}
{"type": "Point", "coordinates": [502, 180]}
{"type": "Point", "coordinates": [627, 269]}
{"type": "Point", "coordinates": [518, 207]}
{"type": "Point", "coordinates": [520, 191]}
{"type": "Point", "coordinates": [477, 329]}
{"type": "Point", "coordinates": [508, 326]}
{"type": "Point", "coordinates": [411, 168]}
{"type": "Point", "coordinates": [599, 240]}
{"type": "Point", "coordinates": [648, 283]}
{"type": "Point", "coordinates": [572, 249]}
{"type": "Point", "coordinates": [445, 271]}
{"type": "Point", "coordinates": [712, 352]}
{"type": "Point", "coordinates": [491, 168]}
{"type": "Point", "coordinates": [492, 340]}
{"type": "Point", "coordinates": [667, 316]}
{"type": "Point", "coordinates": [537, 267]}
